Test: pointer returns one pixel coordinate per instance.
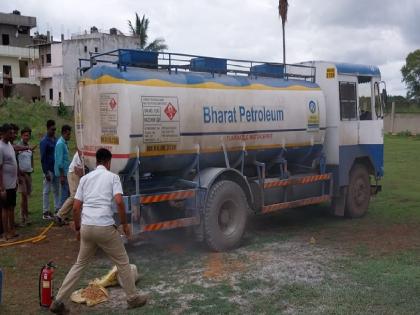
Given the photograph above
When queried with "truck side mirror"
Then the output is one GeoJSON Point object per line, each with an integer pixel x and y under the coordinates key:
{"type": "Point", "coordinates": [384, 96]}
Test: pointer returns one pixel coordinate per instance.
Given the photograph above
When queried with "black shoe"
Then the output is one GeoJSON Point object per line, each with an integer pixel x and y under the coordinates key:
{"type": "Point", "coordinates": [138, 301]}
{"type": "Point", "coordinates": [47, 216]}
{"type": "Point", "coordinates": [59, 221]}
{"type": "Point", "coordinates": [59, 308]}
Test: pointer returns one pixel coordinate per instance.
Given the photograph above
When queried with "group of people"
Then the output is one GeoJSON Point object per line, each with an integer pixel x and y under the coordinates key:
{"type": "Point", "coordinates": [88, 197]}
{"type": "Point", "coordinates": [16, 166]}
{"type": "Point", "coordinates": [61, 176]}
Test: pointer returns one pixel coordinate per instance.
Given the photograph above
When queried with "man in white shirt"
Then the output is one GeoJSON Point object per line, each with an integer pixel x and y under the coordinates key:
{"type": "Point", "coordinates": [95, 227]}
{"type": "Point", "coordinates": [76, 171]}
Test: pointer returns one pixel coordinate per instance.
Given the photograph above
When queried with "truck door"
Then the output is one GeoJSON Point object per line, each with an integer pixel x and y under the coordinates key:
{"type": "Point", "coordinates": [371, 113]}
{"type": "Point", "coordinates": [348, 113]}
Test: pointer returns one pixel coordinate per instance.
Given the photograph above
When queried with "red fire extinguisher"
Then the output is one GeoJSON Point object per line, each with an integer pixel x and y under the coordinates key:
{"type": "Point", "coordinates": [46, 284]}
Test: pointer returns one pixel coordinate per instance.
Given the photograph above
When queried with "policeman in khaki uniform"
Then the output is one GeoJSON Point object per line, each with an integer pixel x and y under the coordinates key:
{"type": "Point", "coordinates": [96, 192]}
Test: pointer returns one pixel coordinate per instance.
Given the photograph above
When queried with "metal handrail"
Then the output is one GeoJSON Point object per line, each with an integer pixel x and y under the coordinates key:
{"type": "Point", "coordinates": [181, 62]}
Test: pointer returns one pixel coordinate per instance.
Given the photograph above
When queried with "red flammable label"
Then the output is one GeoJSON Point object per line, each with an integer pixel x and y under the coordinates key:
{"type": "Point", "coordinates": [170, 111]}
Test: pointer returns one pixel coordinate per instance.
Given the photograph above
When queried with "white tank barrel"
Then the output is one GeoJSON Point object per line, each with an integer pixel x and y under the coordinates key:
{"type": "Point", "coordinates": [168, 117]}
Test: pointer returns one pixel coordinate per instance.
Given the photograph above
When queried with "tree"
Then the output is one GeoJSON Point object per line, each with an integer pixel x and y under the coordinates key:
{"type": "Point", "coordinates": [139, 28]}
{"type": "Point", "coordinates": [283, 7]}
{"type": "Point", "coordinates": [411, 75]}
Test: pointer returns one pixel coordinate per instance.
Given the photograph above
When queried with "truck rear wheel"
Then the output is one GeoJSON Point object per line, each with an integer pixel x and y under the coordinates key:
{"type": "Point", "coordinates": [358, 195]}
{"type": "Point", "coordinates": [225, 216]}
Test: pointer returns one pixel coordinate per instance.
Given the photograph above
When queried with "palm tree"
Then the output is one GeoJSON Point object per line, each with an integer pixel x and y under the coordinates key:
{"type": "Point", "coordinates": [283, 6]}
{"type": "Point", "coordinates": [140, 29]}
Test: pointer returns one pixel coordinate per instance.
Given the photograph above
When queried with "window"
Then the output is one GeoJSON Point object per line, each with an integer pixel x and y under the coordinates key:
{"type": "Point", "coordinates": [5, 39]}
{"type": "Point", "coordinates": [48, 58]}
{"type": "Point", "coordinates": [378, 101]}
{"type": "Point", "coordinates": [23, 30]}
{"type": "Point", "coordinates": [23, 69]}
{"type": "Point", "coordinates": [7, 71]}
{"type": "Point", "coordinates": [348, 101]}
{"type": "Point", "coordinates": [364, 92]}
{"type": "Point", "coordinates": [85, 48]}
{"type": "Point", "coordinates": [42, 60]}
{"type": "Point", "coordinates": [51, 94]}
{"type": "Point", "coordinates": [96, 49]}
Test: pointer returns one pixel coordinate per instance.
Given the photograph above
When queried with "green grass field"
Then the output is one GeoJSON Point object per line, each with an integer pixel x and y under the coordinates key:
{"type": "Point", "coordinates": [301, 261]}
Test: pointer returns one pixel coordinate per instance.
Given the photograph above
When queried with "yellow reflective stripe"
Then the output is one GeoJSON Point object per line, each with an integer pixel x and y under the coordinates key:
{"type": "Point", "coordinates": [106, 79]}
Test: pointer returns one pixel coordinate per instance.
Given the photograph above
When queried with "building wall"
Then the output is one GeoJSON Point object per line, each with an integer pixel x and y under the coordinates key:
{"type": "Point", "coordinates": [79, 47]}
{"type": "Point", "coordinates": [51, 73]}
{"type": "Point", "coordinates": [29, 92]}
{"type": "Point", "coordinates": [14, 63]}
{"type": "Point", "coordinates": [22, 40]}
{"type": "Point", "coordinates": [403, 122]}
{"type": "Point", "coordinates": [14, 51]}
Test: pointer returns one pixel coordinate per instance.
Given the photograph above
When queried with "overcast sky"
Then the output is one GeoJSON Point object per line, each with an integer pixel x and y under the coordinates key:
{"type": "Point", "coordinates": [378, 32]}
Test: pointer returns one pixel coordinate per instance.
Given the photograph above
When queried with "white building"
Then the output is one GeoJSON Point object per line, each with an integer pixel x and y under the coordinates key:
{"type": "Point", "coordinates": [17, 56]}
{"type": "Point", "coordinates": [49, 70]}
{"type": "Point", "coordinates": [58, 67]}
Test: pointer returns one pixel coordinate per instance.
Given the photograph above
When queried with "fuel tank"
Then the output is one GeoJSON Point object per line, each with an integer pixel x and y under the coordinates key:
{"type": "Point", "coordinates": [169, 119]}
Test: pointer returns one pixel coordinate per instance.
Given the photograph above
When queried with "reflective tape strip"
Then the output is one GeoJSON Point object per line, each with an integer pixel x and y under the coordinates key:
{"type": "Point", "coordinates": [297, 181]}
{"type": "Point", "coordinates": [178, 195]}
{"type": "Point", "coordinates": [168, 225]}
{"type": "Point", "coordinates": [296, 203]}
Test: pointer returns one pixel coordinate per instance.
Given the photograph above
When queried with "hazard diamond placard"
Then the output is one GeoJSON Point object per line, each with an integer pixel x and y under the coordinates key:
{"type": "Point", "coordinates": [170, 111]}
{"type": "Point", "coordinates": [161, 122]}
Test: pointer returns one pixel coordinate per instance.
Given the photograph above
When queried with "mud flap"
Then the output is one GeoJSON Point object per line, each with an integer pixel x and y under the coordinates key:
{"type": "Point", "coordinates": [338, 203]}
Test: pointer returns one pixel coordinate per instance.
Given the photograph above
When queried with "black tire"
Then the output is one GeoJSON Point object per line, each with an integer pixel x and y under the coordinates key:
{"type": "Point", "coordinates": [225, 216]}
{"type": "Point", "coordinates": [358, 195]}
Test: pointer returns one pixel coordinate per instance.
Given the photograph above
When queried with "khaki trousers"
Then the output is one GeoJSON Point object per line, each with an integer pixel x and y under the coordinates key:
{"type": "Point", "coordinates": [109, 240]}
{"type": "Point", "coordinates": [67, 206]}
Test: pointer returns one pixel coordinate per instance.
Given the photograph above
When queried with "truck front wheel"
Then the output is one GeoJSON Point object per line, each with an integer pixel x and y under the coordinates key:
{"type": "Point", "coordinates": [358, 195]}
{"type": "Point", "coordinates": [225, 215]}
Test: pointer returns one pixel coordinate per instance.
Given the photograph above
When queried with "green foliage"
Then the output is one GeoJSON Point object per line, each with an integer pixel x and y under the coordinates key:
{"type": "Point", "coordinates": [406, 133]}
{"type": "Point", "coordinates": [411, 75]}
{"type": "Point", "coordinates": [62, 110]}
{"type": "Point", "coordinates": [402, 105]}
{"type": "Point", "coordinates": [139, 28]}
{"type": "Point", "coordinates": [33, 115]}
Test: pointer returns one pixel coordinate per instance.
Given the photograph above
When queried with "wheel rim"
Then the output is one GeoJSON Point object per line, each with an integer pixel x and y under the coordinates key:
{"type": "Point", "coordinates": [227, 219]}
{"type": "Point", "coordinates": [360, 192]}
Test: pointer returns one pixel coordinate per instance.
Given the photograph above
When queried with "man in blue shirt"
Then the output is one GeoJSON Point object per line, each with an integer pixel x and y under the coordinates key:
{"type": "Point", "coordinates": [62, 162]}
{"type": "Point", "coordinates": [47, 148]}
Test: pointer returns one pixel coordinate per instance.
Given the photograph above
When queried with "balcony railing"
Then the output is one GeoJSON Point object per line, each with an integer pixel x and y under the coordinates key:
{"type": "Point", "coordinates": [19, 52]}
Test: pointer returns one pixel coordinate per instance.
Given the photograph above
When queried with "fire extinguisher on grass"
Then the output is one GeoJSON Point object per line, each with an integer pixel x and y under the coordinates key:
{"type": "Point", "coordinates": [46, 284]}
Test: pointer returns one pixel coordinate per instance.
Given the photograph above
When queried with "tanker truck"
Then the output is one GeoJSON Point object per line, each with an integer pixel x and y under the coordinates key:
{"type": "Point", "coordinates": [205, 143]}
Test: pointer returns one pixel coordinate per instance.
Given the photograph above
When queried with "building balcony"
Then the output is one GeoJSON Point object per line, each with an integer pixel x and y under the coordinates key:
{"type": "Point", "coordinates": [25, 81]}
{"type": "Point", "coordinates": [45, 72]}
{"type": "Point", "coordinates": [19, 52]}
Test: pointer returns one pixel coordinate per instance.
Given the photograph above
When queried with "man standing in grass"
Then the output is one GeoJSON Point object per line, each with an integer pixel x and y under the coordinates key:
{"type": "Point", "coordinates": [26, 167]}
{"type": "Point", "coordinates": [47, 148]}
{"type": "Point", "coordinates": [8, 181]}
{"type": "Point", "coordinates": [62, 162]}
{"type": "Point", "coordinates": [95, 227]}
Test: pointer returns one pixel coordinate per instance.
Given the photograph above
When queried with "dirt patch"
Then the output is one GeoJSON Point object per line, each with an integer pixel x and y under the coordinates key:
{"type": "Point", "coordinates": [377, 239]}
{"type": "Point", "coordinates": [220, 266]}
{"type": "Point", "coordinates": [234, 276]}
{"type": "Point", "coordinates": [177, 273]}
{"type": "Point", "coordinates": [294, 261]}
{"type": "Point", "coordinates": [21, 279]}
